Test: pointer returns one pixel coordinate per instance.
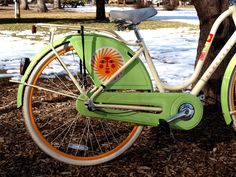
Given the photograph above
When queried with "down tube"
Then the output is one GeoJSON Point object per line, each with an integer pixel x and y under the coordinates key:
{"type": "Point", "coordinates": [217, 61]}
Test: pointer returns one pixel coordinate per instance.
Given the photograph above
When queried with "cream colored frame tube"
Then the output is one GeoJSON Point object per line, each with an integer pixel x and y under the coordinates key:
{"type": "Point", "coordinates": [221, 55]}
{"type": "Point", "coordinates": [143, 49]}
{"type": "Point", "coordinates": [216, 62]}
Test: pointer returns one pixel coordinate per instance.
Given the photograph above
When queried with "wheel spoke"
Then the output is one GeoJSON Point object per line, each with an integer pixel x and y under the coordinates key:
{"type": "Point", "coordinates": [54, 121]}
{"type": "Point", "coordinates": [58, 129]}
{"type": "Point", "coordinates": [53, 89]}
{"type": "Point", "coordinates": [81, 139]}
{"type": "Point", "coordinates": [67, 133]}
{"type": "Point", "coordinates": [48, 90]}
{"type": "Point", "coordinates": [54, 118]}
{"type": "Point", "coordinates": [104, 131]}
{"type": "Point", "coordinates": [93, 132]}
{"type": "Point", "coordinates": [72, 133]}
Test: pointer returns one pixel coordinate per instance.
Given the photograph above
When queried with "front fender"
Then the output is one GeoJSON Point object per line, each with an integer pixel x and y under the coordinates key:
{"type": "Point", "coordinates": [135, 77]}
{"type": "Point", "coordinates": [225, 89]}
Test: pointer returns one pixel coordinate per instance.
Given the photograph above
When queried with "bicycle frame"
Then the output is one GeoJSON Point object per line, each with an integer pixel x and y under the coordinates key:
{"type": "Point", "coordinates": [207, 74]}
{"type": "Point", "coordinates": [143, 49]}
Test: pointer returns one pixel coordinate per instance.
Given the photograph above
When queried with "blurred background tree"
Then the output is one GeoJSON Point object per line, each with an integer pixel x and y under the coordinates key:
{"type": "Point", "coordinates": [170, 4]}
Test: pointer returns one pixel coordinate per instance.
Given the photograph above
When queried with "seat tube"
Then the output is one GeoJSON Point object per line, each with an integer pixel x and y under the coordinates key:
{"type": "Point", "coordinates": [148, 59]}
{"type": "Point", "coordinates": [137, 33]}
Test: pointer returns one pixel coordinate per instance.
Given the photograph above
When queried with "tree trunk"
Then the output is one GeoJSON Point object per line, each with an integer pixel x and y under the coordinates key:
{"type": "Point", "coordinates": [17, 9]}
{"type": "Point", "coordinates": [170, 4]}
{"type": "Point", "coordinates": [57, 4]}
{"type": "Point", "coordinates": [24, 5]}
{"type": "Point", "coordinates": [142, 4]}
{"type": "Point", "coordinates": [41, 6]}
{"type": "Point", "coordinates": [5, 3]}
{"type": "Point", "coordinates": [100, 11]}
{"type": "Point", "coordinates": [208, 11]}
{"type": "Point", "coordinates": [92, 2]}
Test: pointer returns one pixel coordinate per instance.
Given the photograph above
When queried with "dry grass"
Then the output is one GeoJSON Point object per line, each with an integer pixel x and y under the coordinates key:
{"type": "Point", "coordinates": [9, 13]}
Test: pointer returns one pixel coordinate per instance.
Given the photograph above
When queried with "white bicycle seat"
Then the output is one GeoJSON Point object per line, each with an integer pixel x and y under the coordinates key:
{"type": "Point", "coordinates": [132, 16]}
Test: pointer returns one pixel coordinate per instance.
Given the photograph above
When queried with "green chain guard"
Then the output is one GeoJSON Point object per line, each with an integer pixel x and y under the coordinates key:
{"type": "Point", "coordinates": [169, 102]}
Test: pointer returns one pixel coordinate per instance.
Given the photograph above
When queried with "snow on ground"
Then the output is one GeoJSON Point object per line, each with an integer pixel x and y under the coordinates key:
{"type": "Point", "coordinates": [180, 15]}
{"type": "Point", "coordinates": [91, 8]}
{"type": "Point", "coordinates": [173, 50]}
{"type": "Point", "coordinates": [186, 15]}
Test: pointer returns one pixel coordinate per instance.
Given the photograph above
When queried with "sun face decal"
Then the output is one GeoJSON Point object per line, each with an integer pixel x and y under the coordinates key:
{"type": "Point", "coordinates": [105, 62]}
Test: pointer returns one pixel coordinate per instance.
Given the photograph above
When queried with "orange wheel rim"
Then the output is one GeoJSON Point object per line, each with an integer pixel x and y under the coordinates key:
{"type": "Point", "coordinates": [121, 145]}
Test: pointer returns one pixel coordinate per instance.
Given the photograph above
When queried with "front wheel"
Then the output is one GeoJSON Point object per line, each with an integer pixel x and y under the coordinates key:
{"type": "Point", "coordinates": [56, 126]}
{"type": "Point", "coordinates": [228, 93]}
{"type": "Point", "coordinates": [229, 104]}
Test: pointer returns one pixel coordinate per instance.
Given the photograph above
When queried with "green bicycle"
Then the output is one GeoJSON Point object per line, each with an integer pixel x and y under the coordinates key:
{"type": "Point", "coordinates": [86, 97]}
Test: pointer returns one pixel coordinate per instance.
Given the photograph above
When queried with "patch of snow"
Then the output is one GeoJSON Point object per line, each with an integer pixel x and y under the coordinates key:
{"type": "Point", "coordinates": [173, 51]}
{"type": "Point", "coordinates": [180, 15]}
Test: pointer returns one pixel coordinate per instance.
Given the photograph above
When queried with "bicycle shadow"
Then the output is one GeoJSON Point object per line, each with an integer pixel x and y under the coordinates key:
{"type": "Point", "coordinates": [155, 144]}
{"type": "Point", "coordinates": [211, 131]}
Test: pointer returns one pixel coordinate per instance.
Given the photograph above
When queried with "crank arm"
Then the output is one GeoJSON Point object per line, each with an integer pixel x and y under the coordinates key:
{"type": "Point", "coordinates": [177, 116]}
{"type": "Point", "coordinates": [186, 112]}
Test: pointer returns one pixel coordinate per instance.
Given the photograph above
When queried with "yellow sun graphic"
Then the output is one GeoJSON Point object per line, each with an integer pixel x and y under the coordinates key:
{"type": "Point", "coordinates": [106, 61]}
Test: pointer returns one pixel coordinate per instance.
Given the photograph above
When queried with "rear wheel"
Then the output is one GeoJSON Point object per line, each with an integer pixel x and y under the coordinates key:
{"type": "Point", "coordinates": [55, 124]}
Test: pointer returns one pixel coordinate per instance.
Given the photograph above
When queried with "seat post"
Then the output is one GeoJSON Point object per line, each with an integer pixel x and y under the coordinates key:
{"type": "Point", "coordinates": [137, 33]}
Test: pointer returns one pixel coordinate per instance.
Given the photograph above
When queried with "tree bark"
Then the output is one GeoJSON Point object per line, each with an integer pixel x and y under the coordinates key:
{"type": "Point", "coordinates": [5, 3]}
{"type": "Point", "coordinates": [24, 5]}
{"type": "Point", "coordinates": [208, 11]}
{"type": "Point", "coordinates": [41, 6]}
{"type": "Point", "coordinates": [170, 4]}
{"type": "Point", "coordinates": [142, 4]}
{"type": "Point", "coordinates": [100, 11]}
{"type": "Point", "coordinates": [57, 4]}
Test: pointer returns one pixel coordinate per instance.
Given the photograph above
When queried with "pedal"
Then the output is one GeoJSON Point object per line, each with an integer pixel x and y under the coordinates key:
{"type": "Point", "coordinates": [186, 112]}
{"type": "Point", "coordinates": [164, 125]}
